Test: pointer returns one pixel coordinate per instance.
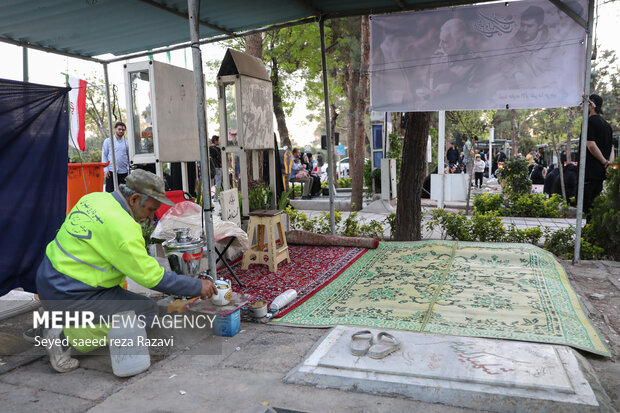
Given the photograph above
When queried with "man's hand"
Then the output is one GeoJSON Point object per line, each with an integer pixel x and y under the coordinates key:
{"type": "Point", "coordinates": [208, 289]}
{"type": "Point", "coordinates": [107, 174]}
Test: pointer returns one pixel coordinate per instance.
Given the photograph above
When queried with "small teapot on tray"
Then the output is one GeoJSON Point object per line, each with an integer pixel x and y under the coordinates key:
{"type": "Point", "coordinates": [224, 292]}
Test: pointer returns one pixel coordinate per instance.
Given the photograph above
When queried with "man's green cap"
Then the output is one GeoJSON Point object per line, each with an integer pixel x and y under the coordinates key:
{"type": "Point", "coordinates": [149, 184]}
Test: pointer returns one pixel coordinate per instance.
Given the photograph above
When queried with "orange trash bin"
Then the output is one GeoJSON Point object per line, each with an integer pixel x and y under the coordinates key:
{"type": "Point", "coordinates": [93, 172]}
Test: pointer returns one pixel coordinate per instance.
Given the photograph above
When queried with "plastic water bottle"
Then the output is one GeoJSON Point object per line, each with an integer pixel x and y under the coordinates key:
{"type": "Point", "coordinates": [282, 300]}
{"type": "Point", "coordinates": [128, 350]}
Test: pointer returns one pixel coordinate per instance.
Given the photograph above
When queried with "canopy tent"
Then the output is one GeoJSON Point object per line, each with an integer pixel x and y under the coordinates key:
{"type": "Point", "coordinates": [134, 28]}
{"type": "Point", "coordinates": [95, 27]}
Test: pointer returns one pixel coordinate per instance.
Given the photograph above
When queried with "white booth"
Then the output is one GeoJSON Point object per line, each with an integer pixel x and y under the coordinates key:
{"type": "Point", "coordinates": [246, 121]}
{"type": "Point", "coordinates": [161, 115]}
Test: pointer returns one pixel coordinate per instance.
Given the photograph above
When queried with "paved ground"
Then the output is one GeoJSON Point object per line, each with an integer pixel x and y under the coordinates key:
{"type": "Point", "coordinates": [218, 374]}
{"type": "Point", "coordinates": [246, 370]}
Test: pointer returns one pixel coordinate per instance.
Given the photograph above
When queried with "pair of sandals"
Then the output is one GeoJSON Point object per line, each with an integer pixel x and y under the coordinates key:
{"type": "Point", "coordinates": [363, 343]}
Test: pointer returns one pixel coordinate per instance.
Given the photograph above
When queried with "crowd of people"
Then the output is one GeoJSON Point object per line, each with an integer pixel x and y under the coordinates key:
{"type": "Point", "coordinates": [306, 171]}
{"type": "Point", "coordinates": [473, 157]}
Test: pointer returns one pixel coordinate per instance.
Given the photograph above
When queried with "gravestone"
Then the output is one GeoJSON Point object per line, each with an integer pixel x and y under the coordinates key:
{"type": "Point", "coordinates": [478, 373]}
{"type": "Point", "coordinates": [230, 206]}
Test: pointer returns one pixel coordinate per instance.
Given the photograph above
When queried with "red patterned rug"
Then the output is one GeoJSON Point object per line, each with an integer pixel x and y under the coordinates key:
{"type": "Point", "coordinates": [310, 269]}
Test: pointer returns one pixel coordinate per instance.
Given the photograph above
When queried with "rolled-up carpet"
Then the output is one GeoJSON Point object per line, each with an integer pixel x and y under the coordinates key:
{"type": "Point", "coordinates": [310, 238]}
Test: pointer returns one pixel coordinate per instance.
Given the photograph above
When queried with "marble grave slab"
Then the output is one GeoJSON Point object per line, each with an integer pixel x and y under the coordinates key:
{"type": "Point", "coordinates": [480, 373]}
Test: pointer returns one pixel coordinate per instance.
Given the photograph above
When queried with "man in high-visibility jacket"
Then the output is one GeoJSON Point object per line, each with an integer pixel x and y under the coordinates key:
{"type": "Point", "coordinates": [98, 245]}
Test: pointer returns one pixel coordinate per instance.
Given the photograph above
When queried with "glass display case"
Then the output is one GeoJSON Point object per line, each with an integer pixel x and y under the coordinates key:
{"type": "Point", "coordinates": [230, 114]}
{"type": "Point", "coordinates": [142, 125]}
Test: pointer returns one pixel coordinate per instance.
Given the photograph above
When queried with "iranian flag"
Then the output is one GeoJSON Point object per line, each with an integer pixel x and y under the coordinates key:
{"type": "Point", "coordinates": [77, 113]}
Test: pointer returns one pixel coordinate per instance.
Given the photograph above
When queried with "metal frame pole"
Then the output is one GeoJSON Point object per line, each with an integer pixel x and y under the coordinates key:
{"type": "Point", "coordinates": [584, 134]}
{"type": "Point", "coordinates": [25, 63]}
{"type": "Point", "coordinates": [328, 132]}
{"type": "Point", "coordinates": [205, 176]}
{"type": "Point", "coordinates": [110, 126]}
{"type": "Point", "coordinates": [441, 150]}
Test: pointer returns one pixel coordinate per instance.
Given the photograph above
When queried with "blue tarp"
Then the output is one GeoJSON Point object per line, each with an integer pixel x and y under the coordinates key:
{"type": "Point", "coordinates": [33, 184]}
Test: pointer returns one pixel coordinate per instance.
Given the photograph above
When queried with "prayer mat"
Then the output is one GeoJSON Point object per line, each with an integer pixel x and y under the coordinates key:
{"type": "Point", "coordinates": [309, 270]}
{"type": "Point", "coordinates": [509, 291]}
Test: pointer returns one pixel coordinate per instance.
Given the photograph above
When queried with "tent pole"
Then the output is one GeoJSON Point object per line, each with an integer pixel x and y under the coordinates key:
{"type": "Point", "coordinates": [110, 126]}
{"type": "Point", "coordinates": [205, 173]}
{"type": "Point", "coordinates": [328, 131]}
{"type": "Point", "coordinates": [584, 134]}
{"type": "Point", "coordinates": [441, 151]}
{"type": "Point", "coordinates": [25, 63]}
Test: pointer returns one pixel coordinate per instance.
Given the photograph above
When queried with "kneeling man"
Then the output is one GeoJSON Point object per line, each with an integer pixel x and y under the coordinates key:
{"type": "Point", "coordinates": [98, 245]}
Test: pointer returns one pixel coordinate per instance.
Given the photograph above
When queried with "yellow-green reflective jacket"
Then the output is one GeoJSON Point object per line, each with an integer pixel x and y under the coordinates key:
{"type": "Point", "coordinates": [100, 243]}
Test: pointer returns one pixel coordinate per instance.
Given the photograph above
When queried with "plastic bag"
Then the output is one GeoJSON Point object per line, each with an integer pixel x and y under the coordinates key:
{"type": "Point", "coordinates": [189, 215]}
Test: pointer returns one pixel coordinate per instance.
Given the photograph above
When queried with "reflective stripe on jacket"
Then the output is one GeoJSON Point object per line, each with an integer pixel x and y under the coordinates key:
{"type": "Point", "coordinates": [100, 243]}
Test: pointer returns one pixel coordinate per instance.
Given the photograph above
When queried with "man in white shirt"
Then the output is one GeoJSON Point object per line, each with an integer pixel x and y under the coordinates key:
{"type": "Point", "coordinates": [121, 150]}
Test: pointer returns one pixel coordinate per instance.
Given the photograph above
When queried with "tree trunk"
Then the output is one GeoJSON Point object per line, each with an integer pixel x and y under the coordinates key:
{"type": "Point", "coordinates": [409, 207]}
{"type": "Point", "coordinates": [514, 129]}
{"type": "Point", "coordinates": [351, 81]}
{"type": "Point", "coordinates": [356, 159]}
{"type": "Point", "coordinates": [285, 140]}
{"type": "Point", "coordinates": [254, 47]}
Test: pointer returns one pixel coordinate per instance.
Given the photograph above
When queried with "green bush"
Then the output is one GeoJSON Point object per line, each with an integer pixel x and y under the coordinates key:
{"type": "Point", "coordinates": [538, 206]}
{"type": "Point", "coordinates": [560, 242]}
{"type": "Point", "coordinates": [370, 175]}
{"type": "Point", "coordinates": [350, 226]}
{"type": "Point", "coordinates": [259, 195]}
{"type": "Point", "coordinates": [603, 229]}
{"type": "Point", "coordinates": [283, 202]}
{"type": "Point", "coordinates": [588, 251]}
{"type": "Point", "coordinates": [454, 225]}
{"type": "Point", "coordinates": [487, 227]}
{"type": "Point", "coordinates": [528, 235]}
{"type": "Point", "coordinates": [324, 226]}
{"type": "Point", "coordinates": [395, 152]}
{"type": "Point", "coordinates": [344, 183]}
{"type": "Point", "coordinates": [391, 221]}
{"type": "Point", "coordinates": [372, 229]}
{"type": "Point", "coordinates": [515, 179]}
{"type": "Point", "coordinates": [489, 202]}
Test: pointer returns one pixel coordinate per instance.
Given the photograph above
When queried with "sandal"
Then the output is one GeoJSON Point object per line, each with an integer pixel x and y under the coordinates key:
{"type": "Point", "coordinates": [361, 342]}
{"type": "Point", "coordinates": [386, 345]}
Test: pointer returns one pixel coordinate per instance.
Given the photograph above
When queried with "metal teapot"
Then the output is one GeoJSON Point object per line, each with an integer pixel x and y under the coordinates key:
{"type": "Point", "coordinates": [224, 292]}
{"type": "Point", "coordinates": [184, 252]}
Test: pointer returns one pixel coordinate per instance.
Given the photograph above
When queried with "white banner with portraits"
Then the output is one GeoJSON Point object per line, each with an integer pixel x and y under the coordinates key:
{"type": "Point", "coordinates": [518, 55]}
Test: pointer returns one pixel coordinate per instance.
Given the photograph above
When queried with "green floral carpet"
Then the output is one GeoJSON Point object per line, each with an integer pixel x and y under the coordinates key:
{"type": "Point", "coordinates": [509, 291]}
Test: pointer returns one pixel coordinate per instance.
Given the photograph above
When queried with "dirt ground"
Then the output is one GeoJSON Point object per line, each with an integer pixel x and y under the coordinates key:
{"type": "Point", "coordinates": [598, 285]}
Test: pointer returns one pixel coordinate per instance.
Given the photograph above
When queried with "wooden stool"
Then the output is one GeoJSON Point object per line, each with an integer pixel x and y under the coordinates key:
{"type": "Point", "coordinates": [262, 221]}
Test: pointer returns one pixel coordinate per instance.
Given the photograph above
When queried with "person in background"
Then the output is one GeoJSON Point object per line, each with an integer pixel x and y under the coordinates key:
{"type": "Point", "coordinates": [215, 153]}
{"type": "Point", "coordinates": [121, 150]}
{"type": "Point", "coordinates": [299, 174]}
{"type": "Point", "coordinates": [541, 157]}
{"type": "Point", "coordinates": [452, 155]}
{"type": "Point", "coordinates": [316, 179]}
{"type": "Point", "coordinates": [479, 166]}
{"type": "Point", "coordinates": [599, 154]}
